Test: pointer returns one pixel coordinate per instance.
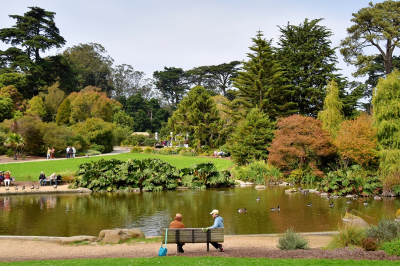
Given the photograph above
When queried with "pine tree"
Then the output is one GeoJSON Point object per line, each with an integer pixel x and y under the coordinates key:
{"type": "Point", "coordinates": [251, 139]}
{"type": "Point", "coordinates": [386, 104]}
{"type": "Point", "coordinates": [309, 61]}
{"type": "Point", "coordinates": [64, 113]}
{"type": "Point", "coordinates": [198, 116]}
{"type": "Point", "coordinates": [260, 82]}
{"type": "Point", "coordinates": [331, 116]}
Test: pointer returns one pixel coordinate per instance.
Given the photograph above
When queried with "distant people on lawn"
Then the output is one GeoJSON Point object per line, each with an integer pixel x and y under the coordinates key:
{"type": "Point", "coordinates": [73, 152]}
{"type": "Point", "coordinates": [69, 152]}
{"type": "Point", "coordinates": [48, 152]}
{"type": "Point", "coordinates": [52, 152]}
{"type": "Point", "coordinates": [42, 179]}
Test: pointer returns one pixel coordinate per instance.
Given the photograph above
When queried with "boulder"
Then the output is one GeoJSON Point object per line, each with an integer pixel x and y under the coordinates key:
{"type": "Point", "coordinates": [117, 235]}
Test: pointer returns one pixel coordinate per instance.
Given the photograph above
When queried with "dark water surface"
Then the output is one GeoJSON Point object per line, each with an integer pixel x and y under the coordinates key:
{"type": "Point", "coordinates": [73, 214]}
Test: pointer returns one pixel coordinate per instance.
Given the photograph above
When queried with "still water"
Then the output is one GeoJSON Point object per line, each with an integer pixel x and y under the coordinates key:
{"type": "Point", "coordinates": [81, 214]}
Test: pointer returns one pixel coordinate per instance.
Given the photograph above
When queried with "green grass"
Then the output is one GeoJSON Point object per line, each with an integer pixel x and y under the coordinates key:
{"type": "Point", "coordinates": [204, 261]}
{"type": "Point", "coordinates": [29, 171]}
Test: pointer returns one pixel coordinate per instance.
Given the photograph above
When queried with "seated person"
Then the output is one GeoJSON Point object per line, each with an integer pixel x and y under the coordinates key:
{"type": "Point", "coordinates": [1, 177]}
{"type": "Point", "coordinates": [221, 153]}
{"type": "Point", "coordinates": [178, 224]}
{"type": "Point", "coordinates": [42, 179]}
{"type": "Point", "coordinates": [54, 178]}
{"type": "Point", "coordinates": [7, 178]}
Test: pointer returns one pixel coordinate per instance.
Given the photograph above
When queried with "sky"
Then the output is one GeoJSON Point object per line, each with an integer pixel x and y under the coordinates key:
{"type": "Point", "coordinates": [152, 34]}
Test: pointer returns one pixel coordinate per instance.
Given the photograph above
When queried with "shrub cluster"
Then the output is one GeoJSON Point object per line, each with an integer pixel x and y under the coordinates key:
{"type": "Point", "coordinates": [386, 230]}
{"type": "Point", "coordinates": [258, 172]}
{"type": "Point", "coordinates": [392, 247]}
{"type": "Point", "coordinates": [292, 240]}
{"type": "Point", "coordinates": [349, 235]}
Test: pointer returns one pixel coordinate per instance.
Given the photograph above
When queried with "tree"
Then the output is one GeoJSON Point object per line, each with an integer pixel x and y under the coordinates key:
{"type": "Point", "coordinates": [299, 143]}
{"type": "Point", "coordinates": [223, 74]}
{"type": "Point", "coordinates": [121, 119]}
{"type": "Point", "coordinates": [374, 26]}
{"type": "Point", "coordinates": [17, 80]}
{"type": "Point", "coordinates": [357, 140]}
{"type": "Point", "coordinates": [14, 141]}
{"type": "Point", "coordinates": [129, 82]}
{"type": "Point", "coordinates": [260, 83]}
{"type": "Point", "coordinates": [34, 33]}
{"type": "Point", "coordinates": [309, 61]}
{"type": "Point", "coordinates": [52, 100]}
{"type": "Point", "coordinates": [331, 116]}
{"type": "Point", "coordinates": [36, 107]}
{"type": "Point", "coordinates": [252, 138]}
{"type": "Point", "coordinates": [12, 93]}
{"type": "Point", "coordinates": [386, 103]}
{"type": "Point", "coordinates": [91, 66]}
{"type": "Point", "coordinates": [6, 108]}
{"type": "Point", "coordinates": [171, 84]}
{"type": "Point", "coordinates": [64, 113]}
{"type": "Point", "coordinates": [198, 116]}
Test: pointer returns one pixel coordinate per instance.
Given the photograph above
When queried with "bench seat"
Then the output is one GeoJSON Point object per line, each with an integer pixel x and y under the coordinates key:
{"type": "Point", "coordinates": [193, 235]}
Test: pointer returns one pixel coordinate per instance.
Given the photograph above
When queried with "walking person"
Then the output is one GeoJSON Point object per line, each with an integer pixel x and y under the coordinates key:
{"type": "Point", "coordinates": [218, 223]}
{"type": "Point", "coordinates": [48, 153]}
{"type": "Point", "coordinates": [73, 152]}
{"type": "Point", "coordinates": [178, 224]}
{"type": "Point", "coordinates": [52, 152]}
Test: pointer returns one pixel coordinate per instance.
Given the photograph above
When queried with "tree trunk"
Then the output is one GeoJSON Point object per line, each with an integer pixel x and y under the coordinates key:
{"type": "Point", "coordinates": [15, 153]}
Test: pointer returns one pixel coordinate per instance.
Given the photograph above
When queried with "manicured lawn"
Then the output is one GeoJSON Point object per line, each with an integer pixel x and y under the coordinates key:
{"type": "Point", "coordinates": [205, 261]}
{"type": "Point", "coordinates": [29, 171]}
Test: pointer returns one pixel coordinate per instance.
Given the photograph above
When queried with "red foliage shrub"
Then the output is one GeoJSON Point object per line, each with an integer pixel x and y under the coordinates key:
{"type": "Point", "coordinates": [300, 141]}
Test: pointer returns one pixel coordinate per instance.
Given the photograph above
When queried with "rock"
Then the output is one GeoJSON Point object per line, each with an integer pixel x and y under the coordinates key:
{"type": "Point", "coordinates": [324, 194]}
{"type": "Point", "coordinates": [117, 235]}
{"type": "Point", "coordinates": [261, 187]}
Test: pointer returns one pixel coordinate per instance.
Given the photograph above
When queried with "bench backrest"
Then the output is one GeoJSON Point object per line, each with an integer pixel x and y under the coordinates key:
{"type": "Point", "coordinates": [193, 235]}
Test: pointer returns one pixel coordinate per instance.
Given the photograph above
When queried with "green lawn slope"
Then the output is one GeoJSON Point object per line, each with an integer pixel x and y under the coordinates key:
{"type": "Point", "coordinates": [29, 171]}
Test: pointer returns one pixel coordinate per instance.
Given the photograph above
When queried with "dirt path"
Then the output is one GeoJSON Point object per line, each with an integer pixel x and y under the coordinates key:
{"type": "Point", "coordinates": [235, 246]}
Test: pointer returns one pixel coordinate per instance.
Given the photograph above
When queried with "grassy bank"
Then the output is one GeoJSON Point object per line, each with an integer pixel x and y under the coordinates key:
{"type": "Point", "coordinates": [29, 171]}
{"type": "Point", "coordinates": [204, 261]}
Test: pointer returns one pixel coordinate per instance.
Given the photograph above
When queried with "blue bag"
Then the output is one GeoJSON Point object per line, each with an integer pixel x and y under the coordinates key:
{"type": "Point", "coordinates": [163, 251]}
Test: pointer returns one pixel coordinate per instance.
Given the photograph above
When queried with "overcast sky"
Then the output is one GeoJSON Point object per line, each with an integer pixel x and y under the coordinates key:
{"type": "Point", "coordinates": [151, 34]}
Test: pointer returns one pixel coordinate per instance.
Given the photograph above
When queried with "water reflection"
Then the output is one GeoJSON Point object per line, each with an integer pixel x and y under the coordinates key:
{"type": "Point", "coordinates": [67, 215]}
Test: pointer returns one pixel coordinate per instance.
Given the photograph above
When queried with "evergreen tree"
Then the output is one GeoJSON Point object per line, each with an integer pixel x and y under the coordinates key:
{"type": "Point", "coordinates": [36, 107]}
{"type": "Point", "coordinates": [251, 139]}
{"type": "Point", "coordinates": [386, 106]}
{"type": "Point", "coordinates": [331, 116]}
{"type": "Point", "coordinates": [260, 82]}
{"type": "Point", "coordinates": [198, 116]}
{"type": "Point", "coordinates": [309, 61]}
{"type": "Point", "coordinates": [63, 113]}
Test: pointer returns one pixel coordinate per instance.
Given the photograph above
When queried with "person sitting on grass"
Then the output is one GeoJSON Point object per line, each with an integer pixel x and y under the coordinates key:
{"type": "Point", "coordinates": [54, 178]}
{"type": "Point", "coordinates": [42, 179]}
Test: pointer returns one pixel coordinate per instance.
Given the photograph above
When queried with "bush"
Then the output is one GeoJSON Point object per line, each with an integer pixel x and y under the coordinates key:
{"type": "Point", "coordinates": [168, 151]}
{"type": "Point", "coordinates": [349, 235]}
{"type": "Point", "coordinates": [99, 148]}
{"type": "Point", "coordinates": [386, 230]}
{"type": "Point", "coordinates": [150, 142]}
{"type": "Point", "coordinates": [91, 152]}
{"type": "Point", "coordinates": [188, 152]}
{"type": "Point", "coordinates": [291, 241]}
{"type": "Point", "coordinates": [148, 150]}
{"type": "Point", "coordinates": [257, 171]}
{"type": "Point", "coordinates": [370, 244]}
{"type": "Point", "coordinates": [67, 176]}
{"type": "Point", "coordinates": [392, 247]}
{"type": "Point", "coordinates": [136, 140]}
{"type": "Point", "coordinates": [136, 149]}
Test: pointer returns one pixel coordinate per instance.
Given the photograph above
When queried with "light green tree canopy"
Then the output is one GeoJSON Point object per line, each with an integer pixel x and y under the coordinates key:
{"type": "Point", "coordinates": [331, 116]}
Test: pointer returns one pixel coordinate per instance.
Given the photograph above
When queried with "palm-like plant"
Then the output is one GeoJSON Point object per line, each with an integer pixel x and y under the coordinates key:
{"type": "Point", "coordinates": [14, 141]}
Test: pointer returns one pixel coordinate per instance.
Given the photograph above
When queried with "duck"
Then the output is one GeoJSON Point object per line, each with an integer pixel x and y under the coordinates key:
{"type": "Point", "coordinates": [331, 205]}
{"type": "Point", "coordinates": [32, 187]}
{"type": "Point", "coordinates": [258, 198]}
{"type": "Point", "coordinates": [37, 188]}
{"type": "Point", "coordinates": [16, 188]}
{"type": "Point", "coordinates": [309, 204]}
{"type": "Point", "coordinates": [348, 201]}
{"type": "Point", "coordinates": [7, 189]}
{"type": "Point", "coordinates": [355, 197]}
{"type": "Point", "coordinates": [23, 188]}
{"type": "Point", "coordinates": [242, 210]}
{"type": "Point", "coordinates": [365, 203]}
{"type": "Point", "coordinates": [377, 198]}
{"type": "Point", "coordinates": [276, 209]}
{"type": "Point", "coordinates": [55, 187]}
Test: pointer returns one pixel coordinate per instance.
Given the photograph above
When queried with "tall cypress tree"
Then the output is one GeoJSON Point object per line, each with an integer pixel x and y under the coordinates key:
{"type": "Point", "coordinates": [386, 104]}
{"type": "Point", "coordinates": [64, 113]}
{"type": "Point", "coordinates": [331, 116]}
{"type": "Point", "coordinates": [309, 61]}
{"type": "Point", "coordinates": [260, 82]}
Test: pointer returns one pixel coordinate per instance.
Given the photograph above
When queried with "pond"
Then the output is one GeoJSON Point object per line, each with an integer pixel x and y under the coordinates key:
{"type": "Point", "coordinates": [88, 214]}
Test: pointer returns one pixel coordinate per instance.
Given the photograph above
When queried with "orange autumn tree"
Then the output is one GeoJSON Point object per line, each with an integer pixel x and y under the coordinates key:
{"type": "Point", "coordinates": [357, 140]}
{"type": "Point", "coordinates": [299, 143]}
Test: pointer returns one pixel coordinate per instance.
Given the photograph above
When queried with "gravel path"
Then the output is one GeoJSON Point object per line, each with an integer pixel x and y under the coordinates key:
{"type": "Point", "coordinates": [235, 246]}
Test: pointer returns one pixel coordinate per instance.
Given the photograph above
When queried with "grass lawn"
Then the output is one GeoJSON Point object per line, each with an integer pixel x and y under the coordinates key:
{"type": "Point", "coordinates": [204, 261]}
{"type": "Point", "coordinates": [29, 171]}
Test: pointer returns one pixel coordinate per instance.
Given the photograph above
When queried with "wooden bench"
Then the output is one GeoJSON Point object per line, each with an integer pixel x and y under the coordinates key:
{"type": "Point", "coordinates": [193, 235]}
